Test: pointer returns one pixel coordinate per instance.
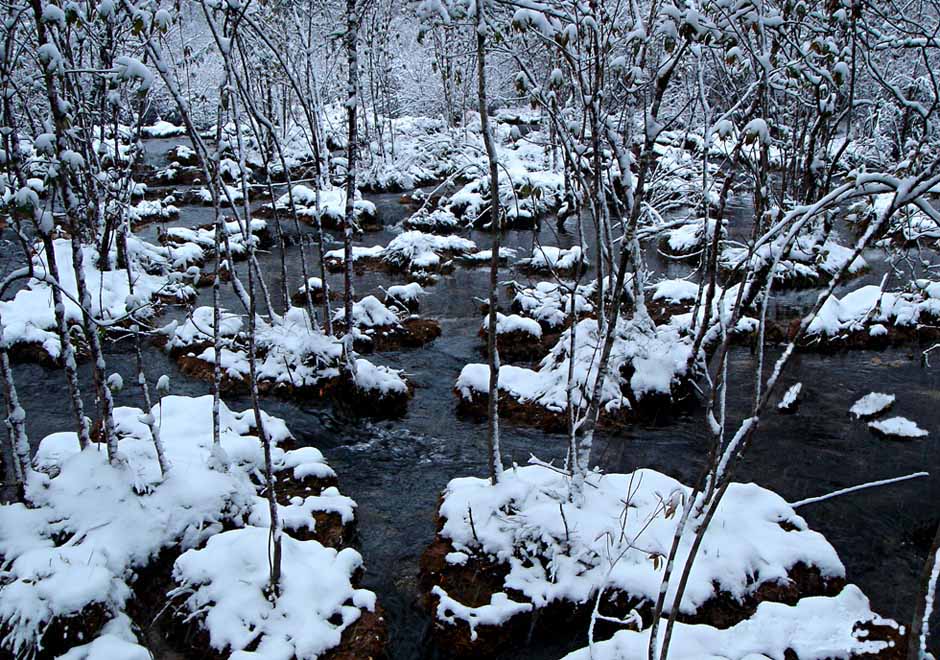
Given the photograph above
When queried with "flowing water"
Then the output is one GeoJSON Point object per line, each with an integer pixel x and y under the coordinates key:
{"type": "Point", "coordinates": [396, 470]}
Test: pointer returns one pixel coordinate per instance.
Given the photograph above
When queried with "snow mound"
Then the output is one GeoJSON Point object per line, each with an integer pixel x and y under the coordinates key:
{"type": "Point", "coordinates": [869, 305]}
{"type": "Point", "coordinates": [332, 209]}
{"type": "Point", "coordinates": [555, 550]}
{"type": "Point", "coordinates": [162, 129]}
{"type": "Point", "coordinates": [548, 258]}
{"type": "Point", "coordinates": [419, 251]}
{"type": "Point", "coordinates": [513, 324]}
{"type": "Point", "coordinates": [655, 358]}
{"type": "Point", "coordinates": [29, 317]}
{"type": "Point", "coordinates": [225, 588]}
{"type": "Point", "coordinates": [675, 291]}
{"type": "Point", "coordinates": [549, 303]}
{"type": "Point", "coordinates": [70, 550]}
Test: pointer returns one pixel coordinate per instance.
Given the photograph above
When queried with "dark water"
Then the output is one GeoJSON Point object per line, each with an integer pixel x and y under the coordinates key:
{"type": "Point", "coordinates": [395, 470]}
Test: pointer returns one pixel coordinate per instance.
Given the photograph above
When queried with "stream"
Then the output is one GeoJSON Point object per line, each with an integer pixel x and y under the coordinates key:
{"type": "Point", "coordinates": [396, 469]}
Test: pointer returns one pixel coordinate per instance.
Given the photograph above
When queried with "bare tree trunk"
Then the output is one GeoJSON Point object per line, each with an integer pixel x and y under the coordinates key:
{"type": "Point", "coordinates": [492, 432]}
{"type": "Point", "coordinates": [16, 423]}
{"type": "Point", "coordinates": [60, 123]}
{"type": "Point", "coordinates": [352, 136]}
{"type": "Point", "coordinates": [923, 606]}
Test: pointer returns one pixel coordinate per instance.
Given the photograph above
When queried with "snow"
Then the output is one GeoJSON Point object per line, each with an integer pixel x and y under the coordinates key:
{"type": "Point", "coordinates": [117, 640]}
{"type": "Point", "coordinates": [498, 611]}
{"type": "Point", "coordinates": [688, 239]}
{"type": "Point", "coordinates": [420, 251]}
{"type": "Point", "coordinates": [358, 252]}
{"type": "Point", "coordinates": [82, 498]}
{"type": "Point", "coordinates": [411, 292]}
{"type": "Point", "coordinates": [148, 210]}
{"type": "Point", "coordinates": [224, 584]}
{"type": "Point", "coordinates": [675, 291]}
{"type": "Point", "coordinates": [790, 397]}
{"type": "Point", "coordinates": [871, 305]}
{"type": "Point", "coordinates": [815, 628]}
{"type": "Point", "coordinates": [425, 150]}
{"type": "Point", "coordinates": [332, 203]}
{"type": "Point", "coordinates": [198, 328]}
{"type": "Point", "coordinates": [873, 403]}
{"type": "Point", "coordinates": [293, 355]}
{"type": "Point", "coordinates": [547, 258]}
{"type": "Point", "coordinates": [205, 236]}
{"type": "Point", "coordinates": [549, 303]}
{"type": "Point", "coordinates": [162, 129]}
{"type": "Point", "coordinates": [441, 221]}
{"type": "Point", "coordinates": [379, 379]}
{"type": "Point", "coordinates": [517, 523]}
{"type": "Point", "coordinates": [483, 257]}
{"type": "Point", "coordinates": [315, 284]}
{"type": "Point", "coordinates": [813, 259]}
{"type": "Point", "coordinates": [658, 356]}
{"type": "Point", "coordinates": [514, 323]}
{"type": "Point", "coordinates": [29, 317]}
{"type": "Point", "coordinates": [898, 427]}
{"type": "Point", "coordinates": [369, 312]}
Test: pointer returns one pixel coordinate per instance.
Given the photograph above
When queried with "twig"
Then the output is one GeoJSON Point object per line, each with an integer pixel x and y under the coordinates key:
{"type": "Point", "coordinates": [852, 489]}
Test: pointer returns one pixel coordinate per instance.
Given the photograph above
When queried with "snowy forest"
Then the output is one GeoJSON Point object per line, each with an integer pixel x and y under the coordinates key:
{"type": "Point", "coordinates": [430, 329]}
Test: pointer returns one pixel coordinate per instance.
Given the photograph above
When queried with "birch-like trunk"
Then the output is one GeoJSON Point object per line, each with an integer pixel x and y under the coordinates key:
{"type": "Point", "coordinates": [492, 431]}
{"type": "Point", "coordinates": [349, 222]}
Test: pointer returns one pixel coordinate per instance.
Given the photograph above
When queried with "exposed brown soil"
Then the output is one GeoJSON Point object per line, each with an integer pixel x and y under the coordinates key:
{"type": "Point", "coordinates": [299, 298]}
{"type": "Point", "coordinates": [650, 409]}
{"type": "Point", "coordinates": [785, 331]}
{"type": "Point", "coordinates": [412, 332]}
{"type": "Point", "coordinates": [363, 640]}
{"type": "Point", "coordinates": [63, 633]}
{"type": "Point", "coordinates": [360, 265]}
{"type": "Point", "coordinates": [370, 403]}
{"type": "Point", "coordinates": [520, 346]}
